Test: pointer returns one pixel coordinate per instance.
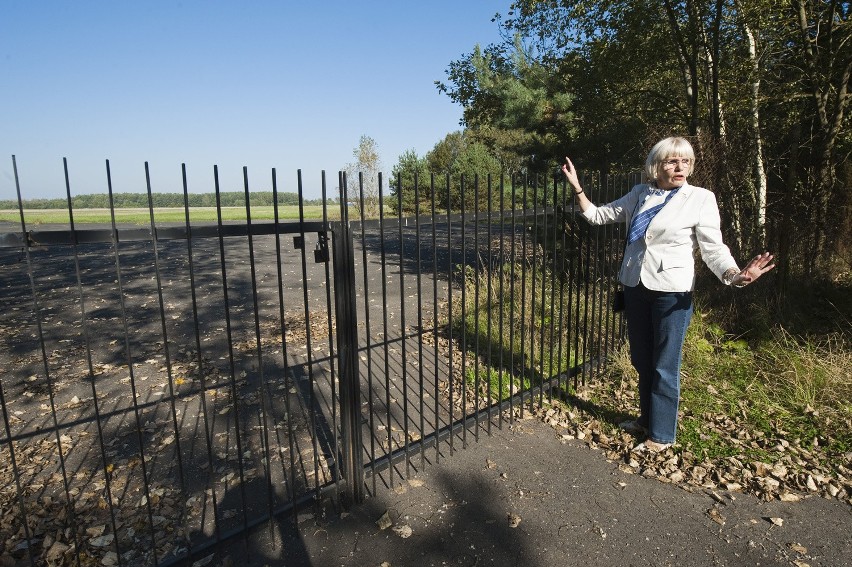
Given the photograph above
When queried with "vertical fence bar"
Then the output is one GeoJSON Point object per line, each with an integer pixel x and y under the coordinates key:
{"type": "Point", "coordinates": [288, 376]}
{"type": "Point", "coordinates": [597, 288]}
{"type": "Point", "coordinates": [323, 238]}
{"type": "Point", "coordinates": [543, 314]}
{"type": "Point", "coordinates": [129, 357]}
{"type": "Point", "coordinates": [476, 279]}
{"type": "Point", "coordinates": [84, 327]}
{"type": "Point", "coordinates": [463, 380]}
{"type": "Point", "coordinates": [450, 249]}
{"type": "Point", "coordinates": [564, 274]}
{"type": "Point", "coordinates": [367, 329]}
{"type": "Point", "coordinates": [554, 276]}
{"type": "Point", "coordinates": [435, 335]}
{"type": "Point", "coordinates": [347, 348]}
{"type": "Point", "coordinates": [231, 362]}
{"type": "Point", "coordinates": [209, 488]}
{"type": "Point", "coordinates": [534, 269]}
{"type": "Point", "coordinates": [420, 332]}
{"type": "Point", "coordinates": [577, 266]}
{"type": "Point", "coordinates": [166, 350]}
{"type": "Point", "coordinates": [264, 393]}
{"type": "Point", "coordinates": [523, 299]}
{"type": "Point", "coordinates": [500, 287]}
{"type": "Point", "coordinates": [490, 276]}
{"type": "Point", "coordinates": [609, 254]}
{"type": "Point", "coordinates": [308, 338]}
{"type": "Point", "coordinates": [402, 337]}
{"type": "Point", "coordinates": [36, 313]}
{"type": "Point", "coordinates": [581, 292]}
{"type": "Point", "coordinates": [385, 340]}
{"type": "Point", "coordinates": [513, 261]}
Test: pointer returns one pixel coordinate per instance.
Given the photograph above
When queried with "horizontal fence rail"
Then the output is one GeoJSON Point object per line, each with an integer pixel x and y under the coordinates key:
{"type": "Point", "coordinates": [171, 386]}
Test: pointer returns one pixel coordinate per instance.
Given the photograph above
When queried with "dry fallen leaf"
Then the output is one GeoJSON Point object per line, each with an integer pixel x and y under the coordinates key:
{"type": "Point", "coordinates": [204, 561]}
{"type": "Point", "coordinates": [384, 522]}
{"type": "Point", "coordinates": [514, 520]}
{"type": "Point", "coordinates": [716, 516]}
{"type": "Point", "coordinates": [777, 521]}
{"type": "Point", "coordinates": [403, 531]}
{"type": "Point", "coordinates": [55, 553]}
{"type": "Point", "coordinates": [101, 541]}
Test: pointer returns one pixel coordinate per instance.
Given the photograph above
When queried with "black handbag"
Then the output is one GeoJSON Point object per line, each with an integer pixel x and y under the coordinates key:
{"type": "Point", "coordinates": [618, 301]}
{"type": "Point", "coordinates": [618, 296]}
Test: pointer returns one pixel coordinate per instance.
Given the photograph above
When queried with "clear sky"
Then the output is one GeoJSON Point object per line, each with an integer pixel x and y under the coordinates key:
{"type": "Point", "coordinates": [263, 84]}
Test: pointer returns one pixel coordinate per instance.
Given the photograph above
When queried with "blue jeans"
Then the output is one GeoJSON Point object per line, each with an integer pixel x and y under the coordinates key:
{"type": "Point", "coordinates": [656, 328]}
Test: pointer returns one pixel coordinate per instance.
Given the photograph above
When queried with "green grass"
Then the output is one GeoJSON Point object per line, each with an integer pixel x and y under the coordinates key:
{"type": "Point", "coordinates": [547, 348]}
{"type": "Point", "coordinates": [738, 398]}
{"type": "Point", "coordinates": [166, 215]}
{"type": "Point", "coordinates": [509, 333]}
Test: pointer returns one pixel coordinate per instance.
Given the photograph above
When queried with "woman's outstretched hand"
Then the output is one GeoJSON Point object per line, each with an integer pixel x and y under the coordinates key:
{"type": "Point", "coordinates": [571, 175]}
{"type": "Point", "coordinates": [758, 266]}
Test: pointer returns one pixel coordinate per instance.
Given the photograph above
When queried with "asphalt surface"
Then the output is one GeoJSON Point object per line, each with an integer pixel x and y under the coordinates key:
{"type": "Point", "coordinates": [524, 497]}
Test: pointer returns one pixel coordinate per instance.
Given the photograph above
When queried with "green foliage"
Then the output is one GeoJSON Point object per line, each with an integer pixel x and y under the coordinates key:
{"type": "Point", "coordinates": [516, 106]}
{"type": "Point", "coordinates": [461, 168]}
{"type": "Point", "coordinates": [412, 173]}
{"type": "Point", "coordinates": [758, 86]}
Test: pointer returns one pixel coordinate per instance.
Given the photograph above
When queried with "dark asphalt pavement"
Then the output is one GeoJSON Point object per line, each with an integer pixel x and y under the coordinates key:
{"type": "Point", "coordinates": [523, 497]}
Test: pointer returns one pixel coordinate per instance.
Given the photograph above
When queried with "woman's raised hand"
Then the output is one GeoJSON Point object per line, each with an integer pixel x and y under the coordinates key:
{"type": "Point", "coordinates": [571, 175]}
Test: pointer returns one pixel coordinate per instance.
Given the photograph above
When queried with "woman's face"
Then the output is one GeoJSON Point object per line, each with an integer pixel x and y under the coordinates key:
{"type": "Point", "coordinates": [672, 172]}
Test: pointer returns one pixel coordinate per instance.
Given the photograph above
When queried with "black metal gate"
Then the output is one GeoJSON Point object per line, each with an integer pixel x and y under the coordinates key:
{"type": "Point", "coordinates": [169, 386]}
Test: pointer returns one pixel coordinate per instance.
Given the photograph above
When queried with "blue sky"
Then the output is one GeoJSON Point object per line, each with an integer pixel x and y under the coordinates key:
{"type": "Point", "coordinates": [263, 84]}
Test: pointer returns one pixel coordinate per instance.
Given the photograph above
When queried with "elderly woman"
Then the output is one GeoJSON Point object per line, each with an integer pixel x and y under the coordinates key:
{"type": "Point", "coordinates": [667, 219]}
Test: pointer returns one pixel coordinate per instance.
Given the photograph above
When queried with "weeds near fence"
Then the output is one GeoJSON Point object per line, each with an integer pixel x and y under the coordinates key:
{"type": "Point", "coordinates": [518, 328]}
{"type": "Point", "coordinates": [783, 399]}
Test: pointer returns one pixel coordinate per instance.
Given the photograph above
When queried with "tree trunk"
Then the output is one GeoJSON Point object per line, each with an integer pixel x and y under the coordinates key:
{"type": "Point", "coordinates": [822, 52]}
{"type": "Point", "coordinates": [756, 138]}
{"type": "Point", "coordinates": [689, 68]}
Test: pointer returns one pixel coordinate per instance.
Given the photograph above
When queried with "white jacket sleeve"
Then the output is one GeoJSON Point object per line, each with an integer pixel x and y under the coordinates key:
{"type": "Point", "coordinates": [716, 255]}
{"type": "Point", "coordinates": [615, 211]}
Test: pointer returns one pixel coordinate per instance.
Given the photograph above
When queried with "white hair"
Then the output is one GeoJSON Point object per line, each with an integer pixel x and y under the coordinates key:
{"type": "Point", "coordinates": [663, 150]}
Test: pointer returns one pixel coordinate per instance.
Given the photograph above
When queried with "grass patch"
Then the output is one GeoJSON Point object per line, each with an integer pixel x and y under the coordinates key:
{"type": "Point", "coordinates": [141, 216]}
{"type": "Point", "coordinates": [511, 319]}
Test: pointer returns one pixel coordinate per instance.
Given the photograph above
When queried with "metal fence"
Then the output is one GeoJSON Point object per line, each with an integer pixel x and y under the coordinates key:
{"type": "Point", "coordinates": [167, 387]}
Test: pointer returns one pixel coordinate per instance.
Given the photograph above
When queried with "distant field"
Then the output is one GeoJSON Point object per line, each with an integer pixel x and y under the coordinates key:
{"type": "Point", "coordinates": [142, 216]}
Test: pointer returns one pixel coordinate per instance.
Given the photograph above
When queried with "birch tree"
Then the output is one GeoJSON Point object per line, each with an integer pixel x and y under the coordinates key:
{"type": "Point", "coordinates": [362, 176]}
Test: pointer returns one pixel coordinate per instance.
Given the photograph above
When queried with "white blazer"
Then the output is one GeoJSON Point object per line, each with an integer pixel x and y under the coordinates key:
{"type": "Point", "coordinates": [663, 260]}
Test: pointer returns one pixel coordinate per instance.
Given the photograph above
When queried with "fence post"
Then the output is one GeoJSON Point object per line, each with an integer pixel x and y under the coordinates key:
{"type": "Point", "coordinates": [347, 349]}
